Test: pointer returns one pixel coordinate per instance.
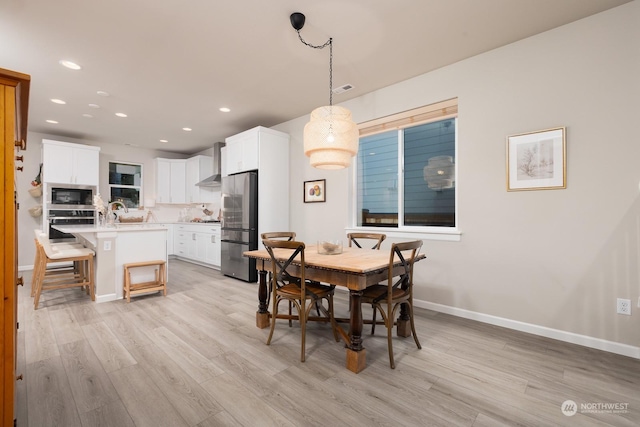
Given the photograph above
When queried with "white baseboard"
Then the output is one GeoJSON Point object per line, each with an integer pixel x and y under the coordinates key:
{"type": "Point", "coordinates": [106, 298]}
{"type": "Point", "coordinates": [597, 343]}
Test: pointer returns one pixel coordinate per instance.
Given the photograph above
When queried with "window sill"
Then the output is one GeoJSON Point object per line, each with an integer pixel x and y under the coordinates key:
{"type": "Point", "coordinates": [449, 234]}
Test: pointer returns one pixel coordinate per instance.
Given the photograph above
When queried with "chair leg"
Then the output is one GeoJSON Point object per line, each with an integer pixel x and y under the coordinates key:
{"type": "Point", "coordinates": [389, 343]}
{"type": "Point", "coordinates": [302, 315]}
{"type": "Point", "coordinates": [413, 326]}
{"type": "Point", "coordinates": [273, 319]}
{"type": "Point", "coordinates": [332, 319]}
{"type": "Point", "coordinates": [373, 320]}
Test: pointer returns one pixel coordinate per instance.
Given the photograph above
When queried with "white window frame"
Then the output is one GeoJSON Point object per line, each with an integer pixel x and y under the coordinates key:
{"type": "Point", "coordinates": [139, 187]}
{"type": "Point", "coordinates": [415, 117]}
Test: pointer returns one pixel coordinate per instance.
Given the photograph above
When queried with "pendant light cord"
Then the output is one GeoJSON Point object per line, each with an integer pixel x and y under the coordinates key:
{"type": "Point", "coordinates": [322, 46]}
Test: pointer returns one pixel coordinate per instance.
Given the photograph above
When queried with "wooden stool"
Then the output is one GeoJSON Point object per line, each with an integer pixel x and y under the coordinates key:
{"type": "Point", "coordinates": [79, 274]}
{"type": "Point", "coordinates": [159, 284]}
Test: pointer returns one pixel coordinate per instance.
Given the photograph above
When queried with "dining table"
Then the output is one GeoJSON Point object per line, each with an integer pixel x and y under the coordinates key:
{"type": "Point", "coordinates": [354, 269]}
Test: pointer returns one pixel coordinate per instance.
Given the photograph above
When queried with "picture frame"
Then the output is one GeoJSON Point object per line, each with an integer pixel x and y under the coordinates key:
{"type": "Point", "coordinates": [537, 160]}
{"type": "Point", "coordinates": [315, 191]}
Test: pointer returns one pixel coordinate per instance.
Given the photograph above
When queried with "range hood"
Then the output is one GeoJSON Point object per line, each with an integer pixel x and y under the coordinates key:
{"type": "Point", "coordinates": [215, 179]}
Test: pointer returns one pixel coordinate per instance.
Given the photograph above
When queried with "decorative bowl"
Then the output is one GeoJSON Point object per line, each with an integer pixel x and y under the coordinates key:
{"type": "Point", "coordinates": [329, 247]}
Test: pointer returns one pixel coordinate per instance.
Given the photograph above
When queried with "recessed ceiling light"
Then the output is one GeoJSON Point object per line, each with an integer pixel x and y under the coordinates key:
{"type": "Point", "coordinates": [53, 122]}
{"type": "Point", "coordinates": [187, 129]}
{"type": "Point", "coordinates": [163, 140]}
{"type": "Point", "coordinates": [88, 116]}
{"type": "Point", "coordinates": [58, 101]}
{"type": "Point", "coordinates": [121, 115]}
{"type": "Point", "coordinates": [102, 93]}
{"type": "Point", "coordinates": [94, 106]}
{"type": "Point", "coordinates": [70, 64]}
{"type": "Point", "coordinates": [225, 109]}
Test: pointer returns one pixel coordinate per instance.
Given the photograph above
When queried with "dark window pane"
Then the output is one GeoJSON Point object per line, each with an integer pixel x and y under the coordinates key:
{"type": "Point", "coordinates": [429, 175]}
{"type": "Point", "coordinates": [125, 174]}
{"type": "Point", "coordinates": [378, 180]}
{"type": "Point", "coordinates": [129, 196]}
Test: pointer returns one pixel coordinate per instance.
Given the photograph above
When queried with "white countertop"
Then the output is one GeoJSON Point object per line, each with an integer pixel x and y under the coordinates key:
{"type": "Point", "coordinates": [118, 227]}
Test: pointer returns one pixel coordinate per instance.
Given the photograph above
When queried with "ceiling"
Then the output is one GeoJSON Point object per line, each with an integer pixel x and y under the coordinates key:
{"type": "Point", "coordinates": [171, 64]}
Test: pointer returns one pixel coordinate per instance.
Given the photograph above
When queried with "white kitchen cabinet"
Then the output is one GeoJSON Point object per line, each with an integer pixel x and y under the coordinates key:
{"type": "Point", "coordinates": [242, 151]}
{"type": "Point", "coordinates": [266, 150]}
{"type": "Point", "coordinates": [199, 168]}
{"type": "Point", "coordinates": [170, 181]}
{"type": "Point", "coordinates": [67, 163]}
{"type": "Point", "coordinates": [170, 250]}
{"type": "Point", "coordinates": [198, 243]}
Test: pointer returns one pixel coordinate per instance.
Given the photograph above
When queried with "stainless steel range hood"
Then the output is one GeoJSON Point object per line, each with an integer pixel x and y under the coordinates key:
{"type": "Point", "coordinates": [215, 179]}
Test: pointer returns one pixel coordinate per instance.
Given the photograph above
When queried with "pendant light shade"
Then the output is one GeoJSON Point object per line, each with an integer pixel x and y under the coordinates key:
{"type": "Point", "coordinates": [330, 138]}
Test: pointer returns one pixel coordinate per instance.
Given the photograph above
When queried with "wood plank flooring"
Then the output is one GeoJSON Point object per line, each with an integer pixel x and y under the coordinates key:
{"type": "Point", "coordinates": [195, 358]}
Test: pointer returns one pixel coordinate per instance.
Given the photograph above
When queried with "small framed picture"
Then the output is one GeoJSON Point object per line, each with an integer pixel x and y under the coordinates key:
{"type": "Point", "coordinates": [537, 160]}
{"type": "Point", "coordinates": [315, 191]}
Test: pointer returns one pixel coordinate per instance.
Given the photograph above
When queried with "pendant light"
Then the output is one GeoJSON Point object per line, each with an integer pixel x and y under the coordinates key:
{"type": "Point", "coordinates": [331, 136]}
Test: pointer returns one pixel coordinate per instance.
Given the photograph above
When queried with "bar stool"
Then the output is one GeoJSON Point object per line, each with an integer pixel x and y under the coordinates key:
{"type": "Point", "coordinates": [58, 269]}
{"type": "Point", "coordinates": [80, 275]}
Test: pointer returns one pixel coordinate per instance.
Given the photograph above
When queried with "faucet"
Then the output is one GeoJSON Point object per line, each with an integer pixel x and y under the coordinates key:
{"type": "Point", "coordinates": [110, 212]}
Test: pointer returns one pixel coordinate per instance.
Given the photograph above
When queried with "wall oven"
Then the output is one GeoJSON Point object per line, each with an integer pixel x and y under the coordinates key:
{"type": "Point", "coordinates": [69, 205]}
{"type": "Point", "coordinates": [70, 197]}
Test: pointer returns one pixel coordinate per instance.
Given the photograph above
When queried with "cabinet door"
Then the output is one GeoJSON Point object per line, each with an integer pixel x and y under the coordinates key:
{"type": "Point", "coordinates": [163, 181]}
{"type": "Point", "coordinates": [212, 255]}
{"type": "Point", "coordinates": [86, 163]}
{"type": "Point", "coordinates": [250, 153]}
{"type": "Point", "coordinates": [178, 177]}
{"type": "Point", "coordinates": [57, 164]}
{"type": "Point", "coordinates": [234, 157]}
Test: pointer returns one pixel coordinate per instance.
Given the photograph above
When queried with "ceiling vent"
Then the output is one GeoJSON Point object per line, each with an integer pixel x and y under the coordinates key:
{"type": "Point", "coordinates": [342, 89]}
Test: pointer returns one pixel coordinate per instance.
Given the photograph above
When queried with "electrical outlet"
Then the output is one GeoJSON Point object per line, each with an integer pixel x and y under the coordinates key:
{"type": "Point", "coordinates": [624, 306]}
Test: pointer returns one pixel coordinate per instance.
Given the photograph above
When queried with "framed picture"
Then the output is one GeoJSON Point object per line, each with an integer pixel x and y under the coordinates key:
{"type": "Point", "coordinates": [537, 160]}
{"type": "Point", "coordinates": [315, 191]}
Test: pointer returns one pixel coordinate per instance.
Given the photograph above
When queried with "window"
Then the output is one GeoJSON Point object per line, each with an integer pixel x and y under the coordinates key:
{"type": "Point", "coordinates": [405, 172]}
{"type": "Point", "coordinates": [125, 183]}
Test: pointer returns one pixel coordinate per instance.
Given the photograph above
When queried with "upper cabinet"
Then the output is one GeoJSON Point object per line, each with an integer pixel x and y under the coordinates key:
{"type": "Point", "coordinates": [199, 168]}
{"type": "Point", "coordinates": [66, 163]}
{"type": "Point", "coordinates": [170, 180]}
{"type": "Point", "coordinates": [242, 151]}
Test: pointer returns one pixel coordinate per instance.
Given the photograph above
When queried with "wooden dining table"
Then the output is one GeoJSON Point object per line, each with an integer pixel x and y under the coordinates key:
{"type": "Point", "coordinates": [354, 269]}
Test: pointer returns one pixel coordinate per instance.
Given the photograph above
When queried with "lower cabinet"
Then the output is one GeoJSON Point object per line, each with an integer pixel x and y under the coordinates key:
{"type": "Point", "coordinates": [197, 243]}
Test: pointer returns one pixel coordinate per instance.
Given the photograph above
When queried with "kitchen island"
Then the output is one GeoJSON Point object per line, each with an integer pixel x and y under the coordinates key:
{"type": "Point", "coordinates": [116, 245]}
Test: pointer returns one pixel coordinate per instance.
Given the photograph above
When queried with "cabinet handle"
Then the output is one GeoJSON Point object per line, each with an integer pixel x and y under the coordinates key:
{"type": "Point", "coordinates": [22, 144]}
{"type": "Point", "coordinates": [20, 168]}
{"type": "Point", "coordinates": [20, 281]}
{"type": "Point", "coordinates": [19, 158]}
{"type": "Point", "coordinates": [19, 377]}
{"type": "Point", "coordinates": [193, 236]}
{"type": "Point", "coordinates": [213, 239]}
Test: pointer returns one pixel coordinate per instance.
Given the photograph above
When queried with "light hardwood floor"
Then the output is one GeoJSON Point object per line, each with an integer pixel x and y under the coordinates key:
{"type": "Point", "coordinates": [195, 358]}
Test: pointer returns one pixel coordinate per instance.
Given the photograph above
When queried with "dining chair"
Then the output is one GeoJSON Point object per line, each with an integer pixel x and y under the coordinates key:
{"type": "Point", "coordinates": [357, 238]}
{"type": "Point", "coordinates": [289, 284]}
{"type": "Point", "coordinates": [279, 235]}
{"type": "Point", "coordinates": [387, 298]}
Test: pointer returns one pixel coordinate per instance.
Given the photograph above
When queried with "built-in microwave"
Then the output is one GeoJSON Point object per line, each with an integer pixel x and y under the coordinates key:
{"type": "Point", "coordinates": [70, 196]}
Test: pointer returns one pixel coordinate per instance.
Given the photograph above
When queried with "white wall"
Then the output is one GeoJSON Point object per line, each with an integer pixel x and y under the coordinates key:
{"type": "Point", "coordinates": [550, 262]}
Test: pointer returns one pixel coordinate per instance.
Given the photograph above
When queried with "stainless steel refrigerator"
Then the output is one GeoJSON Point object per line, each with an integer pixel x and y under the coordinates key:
{"type": "Point", "coordinates": [239, 225]}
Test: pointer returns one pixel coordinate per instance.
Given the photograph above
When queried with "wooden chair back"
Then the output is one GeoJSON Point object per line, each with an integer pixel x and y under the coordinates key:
{"type": "Point", "coordinates": [279, 235]}
{"type": "Point", "coordinates": [356, 237]}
